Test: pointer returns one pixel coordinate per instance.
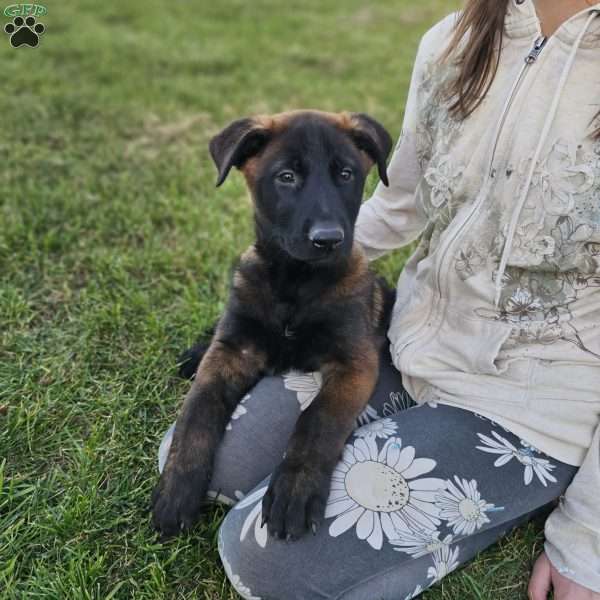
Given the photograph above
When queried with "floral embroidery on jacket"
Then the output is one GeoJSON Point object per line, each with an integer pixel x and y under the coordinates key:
{"type": "Point", "coordinates": [559, 216]}
{"type": "Point", "coordinates": [558, 178]}
{"type": "Point", "coordinates": [539, 306]}
{"type": "Point", "coordinates": [436, 129]}
{"type": "Point", "coordinates": [469, 262]}
{"type": "Point", "coordinates": [555, 253]}
{"type": "Point", "coordinates": [441, 177]}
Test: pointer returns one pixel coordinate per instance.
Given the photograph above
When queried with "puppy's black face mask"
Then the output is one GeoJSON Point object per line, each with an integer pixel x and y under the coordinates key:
{"type": "Point", "coordinates": [306, 172]}
{"type": "Point", "coordinates": [308, 194]}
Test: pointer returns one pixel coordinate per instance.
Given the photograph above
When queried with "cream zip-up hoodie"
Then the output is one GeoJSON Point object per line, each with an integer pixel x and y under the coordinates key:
{"type": "Point", "coordinates": [498, 310]}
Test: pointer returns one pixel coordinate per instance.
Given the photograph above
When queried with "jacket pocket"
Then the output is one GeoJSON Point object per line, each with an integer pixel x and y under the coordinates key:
{"type": "Point", "coordinates": [470, 344]}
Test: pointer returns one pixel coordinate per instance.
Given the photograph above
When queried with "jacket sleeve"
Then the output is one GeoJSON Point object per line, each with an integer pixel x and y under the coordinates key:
{"type": "Point", "coordinates": [573, 529]}
{"type": "Point", "coordinates": [390, 219]}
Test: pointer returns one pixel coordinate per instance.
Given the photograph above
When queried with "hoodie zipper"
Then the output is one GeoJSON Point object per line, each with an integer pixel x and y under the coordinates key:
{"type": "Point", "coordinates": [530, 59]}
{"type": "Point", "coordinates": [536, 50]}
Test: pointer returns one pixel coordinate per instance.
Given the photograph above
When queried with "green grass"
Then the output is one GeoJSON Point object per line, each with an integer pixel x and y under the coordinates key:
{"type": "Point", "coordinates": [115, 250]}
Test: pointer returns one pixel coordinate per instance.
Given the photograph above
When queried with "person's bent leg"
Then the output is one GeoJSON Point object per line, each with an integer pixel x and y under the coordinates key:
{"type": "Point", "coordinates": [421, 572]}
{"type": "Point", "coordinates": [261, 425]}
{"type": "Point", "coordinates": [409, 502]}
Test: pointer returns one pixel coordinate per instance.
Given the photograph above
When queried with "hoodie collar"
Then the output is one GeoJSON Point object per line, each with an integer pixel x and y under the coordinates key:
{"type": "Point", "coordinates": [522, 22]}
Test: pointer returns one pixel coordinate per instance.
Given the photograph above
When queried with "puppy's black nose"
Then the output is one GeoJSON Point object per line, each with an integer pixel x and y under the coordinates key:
{"type": "Point", "coordinates": [326, 237]}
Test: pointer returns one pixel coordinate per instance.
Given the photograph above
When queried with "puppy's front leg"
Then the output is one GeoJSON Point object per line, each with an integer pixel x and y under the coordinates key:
{"type": "Point", "coordinates": [224, 375]}
{"type": "Point", "coordinates": [299, 487]}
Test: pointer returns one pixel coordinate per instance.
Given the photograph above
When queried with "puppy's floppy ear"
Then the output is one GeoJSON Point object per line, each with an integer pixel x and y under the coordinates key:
{"type": "Point", "coordinates": [233, 146]}
{"type": "Point", "coordinates": [369, 135]}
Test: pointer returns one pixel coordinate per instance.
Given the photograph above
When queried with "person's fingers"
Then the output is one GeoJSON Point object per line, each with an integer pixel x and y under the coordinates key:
{"type": "Point", "coordinates": [541, 580]}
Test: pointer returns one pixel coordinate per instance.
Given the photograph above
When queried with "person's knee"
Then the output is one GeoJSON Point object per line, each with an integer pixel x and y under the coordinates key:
{"type": "Point", "coordinates": [269, 571]}
{"type": "Point", "coordinates": [254, 440]}
{"type": "Point", "coordinates": [246, 564]}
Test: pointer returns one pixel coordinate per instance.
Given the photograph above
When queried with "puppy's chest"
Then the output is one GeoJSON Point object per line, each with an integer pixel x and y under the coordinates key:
{"type": "Point", "coordinates": [286, 322]}
{"type": "Point", "coordinates": [291, 323]}
{"type": "Point", "coordinates": [297, 337]}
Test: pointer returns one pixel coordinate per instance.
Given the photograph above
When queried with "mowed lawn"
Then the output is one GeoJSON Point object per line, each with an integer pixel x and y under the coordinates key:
{"type": "Point", "coordinates": [115, 252]}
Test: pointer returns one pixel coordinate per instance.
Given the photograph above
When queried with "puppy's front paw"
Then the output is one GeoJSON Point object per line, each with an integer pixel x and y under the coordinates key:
{"type": "Point", "coordinates": [295, 501]}
{"type": "Point", "coordinates": [177, 501]}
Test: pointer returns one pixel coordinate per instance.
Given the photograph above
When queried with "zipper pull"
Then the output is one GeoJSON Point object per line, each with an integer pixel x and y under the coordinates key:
{"type": "Point", "coordinates": [538, 46]}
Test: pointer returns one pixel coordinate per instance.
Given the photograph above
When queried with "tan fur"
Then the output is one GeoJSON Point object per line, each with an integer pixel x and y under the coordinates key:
{"type": "Point", "coordinates": [250, 170]}
{"type": "Point", "coordinates": [223, 362]}
{"type": "Point", "coordinates": [220, 363]}
{"type": "Point", "coordinates": [249, 256]}
{"type": "Point", "coordinates": [356, 276]}
{"type": "Point", "coordinates": [278, 122]}
{"type": "Point", "coordinates": [345, 392]}
{"type": "Point", "coordinates": [350, 387]}
{"type": "Point", "coordinates": [253, 166]}
{"type": "Point", "coordinates": [377, 311]}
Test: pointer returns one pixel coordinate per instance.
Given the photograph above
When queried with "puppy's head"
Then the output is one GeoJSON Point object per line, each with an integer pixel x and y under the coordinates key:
{"type": "Point", "coordinates": [306, 172]}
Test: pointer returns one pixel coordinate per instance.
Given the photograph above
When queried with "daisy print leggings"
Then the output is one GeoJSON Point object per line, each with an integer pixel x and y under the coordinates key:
{"type": "Point", "coordinates": [419, 491]}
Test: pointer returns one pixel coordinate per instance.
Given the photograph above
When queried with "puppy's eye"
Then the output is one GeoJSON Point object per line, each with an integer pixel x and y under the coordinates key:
{"type": "Point", "coordinates": [346, 174]}
{"type": "Point", "coordinates": [287, 177]}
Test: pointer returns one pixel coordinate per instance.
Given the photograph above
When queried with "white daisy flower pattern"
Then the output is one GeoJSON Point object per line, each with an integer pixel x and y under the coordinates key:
{"type": "Point", "coordinates": [366, 416]}
{"type": "Point", "coordinates": [541, 467]}
{"type": "Point", "coordinates": [254, 516]}
{"type": "Point", "coordinates": [240, 410]}
{"type": "Point", "coordinates": [398, 401]}
{"type": "Point", "coordinates": [382, 492]}
{"type": "Point", "coordinates": [420, 542]}
{"type": "Point", "coordinates": [528, 446]}
{"type": "Point", "coordinates": [462, 507]}
{"type": "Point", "coordinates": [217, 496]}
{"type": "Point", "coordinates": [240, 588]}
{"type": "Point", "coordinates": [445, 560]}
{"type": "Point", "coordinates": [306, 386]}
{"type": "Point", "coordinates": [418, 590]}
{"type": "Point", "coordinates": [382, 428]}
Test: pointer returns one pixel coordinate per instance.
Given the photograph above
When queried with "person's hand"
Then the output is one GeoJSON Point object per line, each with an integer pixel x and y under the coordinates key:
{"type": "Point", "coordinates": [544, 577]}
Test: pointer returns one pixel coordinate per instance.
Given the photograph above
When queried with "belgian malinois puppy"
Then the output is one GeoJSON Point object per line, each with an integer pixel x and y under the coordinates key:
{"type": "Point", "coordinates": [302, 297]}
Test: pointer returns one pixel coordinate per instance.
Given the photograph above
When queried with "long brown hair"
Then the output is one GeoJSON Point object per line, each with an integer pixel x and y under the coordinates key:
{"type": "Point", "coordinates": [481, 27]}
